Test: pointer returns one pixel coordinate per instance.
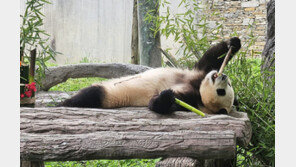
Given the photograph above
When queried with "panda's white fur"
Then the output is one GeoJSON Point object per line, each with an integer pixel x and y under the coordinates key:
{"type": "Point", "coordinates": [137, 90]}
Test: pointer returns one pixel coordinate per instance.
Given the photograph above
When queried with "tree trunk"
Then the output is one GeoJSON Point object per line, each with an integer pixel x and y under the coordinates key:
{"type": "Point", "coordinates": [268, 54]}
{"type": "Point", "coordinates": [150, 55]}
{"type": "Point", "coordinates": [135, 59]}
{"type": "Point", "coordinates": [32, 65]}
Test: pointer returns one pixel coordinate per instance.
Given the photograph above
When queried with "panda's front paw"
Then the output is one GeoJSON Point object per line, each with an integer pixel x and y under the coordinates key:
{"type": "Point", "coordinates": [167, 97]}
{"type": "Point", "coordinates": [162, 103]}
{"type": "Point", "coordinates": [235, 43]}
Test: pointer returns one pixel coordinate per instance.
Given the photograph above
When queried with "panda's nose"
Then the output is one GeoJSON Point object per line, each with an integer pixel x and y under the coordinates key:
{"type": "Point", "coordinates": [224, 77]}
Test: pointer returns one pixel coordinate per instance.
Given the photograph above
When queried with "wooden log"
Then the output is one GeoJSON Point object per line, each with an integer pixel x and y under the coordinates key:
{"type": "Point", "coordinates": [150, 55]}
{"type": "Point", "coordinates": [81, 134]}
{"type": "Point", "coordinates": [56, 75]}
{"type": "Point", "coordinates": [126, 145]}
{"type": "Point", "coordinates": [51, 98]}
{"type": "Point", "coordinates": [49, 120]}
{"type": "Point", "coordinates": [179, 162]}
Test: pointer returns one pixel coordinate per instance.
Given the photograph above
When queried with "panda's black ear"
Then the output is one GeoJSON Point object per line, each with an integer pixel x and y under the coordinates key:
{"type": "Point", "coordinates": [222, 111]}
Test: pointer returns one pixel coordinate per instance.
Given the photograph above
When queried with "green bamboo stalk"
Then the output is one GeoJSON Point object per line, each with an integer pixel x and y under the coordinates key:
{"type": "Point", "coordinates": [189, 107]}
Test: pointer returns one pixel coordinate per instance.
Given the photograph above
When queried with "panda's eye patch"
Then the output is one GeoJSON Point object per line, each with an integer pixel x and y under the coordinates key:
{"type": "Point", "coordinates": [221, 92]}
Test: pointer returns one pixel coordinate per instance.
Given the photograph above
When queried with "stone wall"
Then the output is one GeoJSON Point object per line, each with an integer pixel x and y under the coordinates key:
{"type": "Point", "coordinates": [242, 17]}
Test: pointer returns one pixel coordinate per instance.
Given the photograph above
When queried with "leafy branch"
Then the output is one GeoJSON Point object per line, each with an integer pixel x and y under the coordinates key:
{"type": "Point", "coordinates": [33, 36]}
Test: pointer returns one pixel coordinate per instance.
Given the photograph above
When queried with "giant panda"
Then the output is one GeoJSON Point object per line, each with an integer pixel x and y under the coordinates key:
{"type": "Point", "coordinates": [157, 88]}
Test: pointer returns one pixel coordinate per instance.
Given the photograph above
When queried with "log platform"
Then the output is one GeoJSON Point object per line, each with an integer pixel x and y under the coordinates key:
{"type": "Point", "coordinates": [182, 139]}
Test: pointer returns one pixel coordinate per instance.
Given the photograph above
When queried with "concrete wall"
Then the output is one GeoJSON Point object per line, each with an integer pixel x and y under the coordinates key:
{"type": "Point", "coordinates": [101, 29]}
{"type": "Point", "coordinates": [97, 29]}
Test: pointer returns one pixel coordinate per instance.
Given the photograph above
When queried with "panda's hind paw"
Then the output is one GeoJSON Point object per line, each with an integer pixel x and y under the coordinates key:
{"type": "Point", "coordinates": [235, 43]}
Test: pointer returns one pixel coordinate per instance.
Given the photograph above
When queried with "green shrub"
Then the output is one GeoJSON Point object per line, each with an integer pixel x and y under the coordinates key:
{"type": "Point", "coordinates": [258, 101]}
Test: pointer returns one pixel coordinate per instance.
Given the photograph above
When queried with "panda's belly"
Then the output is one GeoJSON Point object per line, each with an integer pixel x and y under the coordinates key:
{"type": "Point", "coordinates": [137, 90]}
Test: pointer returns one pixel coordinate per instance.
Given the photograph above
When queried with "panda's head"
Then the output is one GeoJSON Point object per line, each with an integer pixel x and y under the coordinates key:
{"type": "Point", "coordinates": [217, 93]}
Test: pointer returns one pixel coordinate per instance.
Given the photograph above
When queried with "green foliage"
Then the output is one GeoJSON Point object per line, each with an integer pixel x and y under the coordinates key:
{"type": "Point", "coordinates": [255, 96]}
{"type": "Point", "coordinates": [75, 84]}
{"type": "Point", "coordinates": [32, 36]}
{"type": "Point", "coordinates": [86, 60]}
{"type": "Point", "coordinates": [193, 34]}
{"type": "Point", "coordinates": [258, 100]}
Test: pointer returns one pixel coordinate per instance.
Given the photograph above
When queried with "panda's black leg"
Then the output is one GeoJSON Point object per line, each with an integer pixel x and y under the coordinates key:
{"type": "Point", "coordinates": [90, 97]}
{"type": "Point", "coordinates": [163, 102]}
{"type": "Point", "coordinates": [213, 57]}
